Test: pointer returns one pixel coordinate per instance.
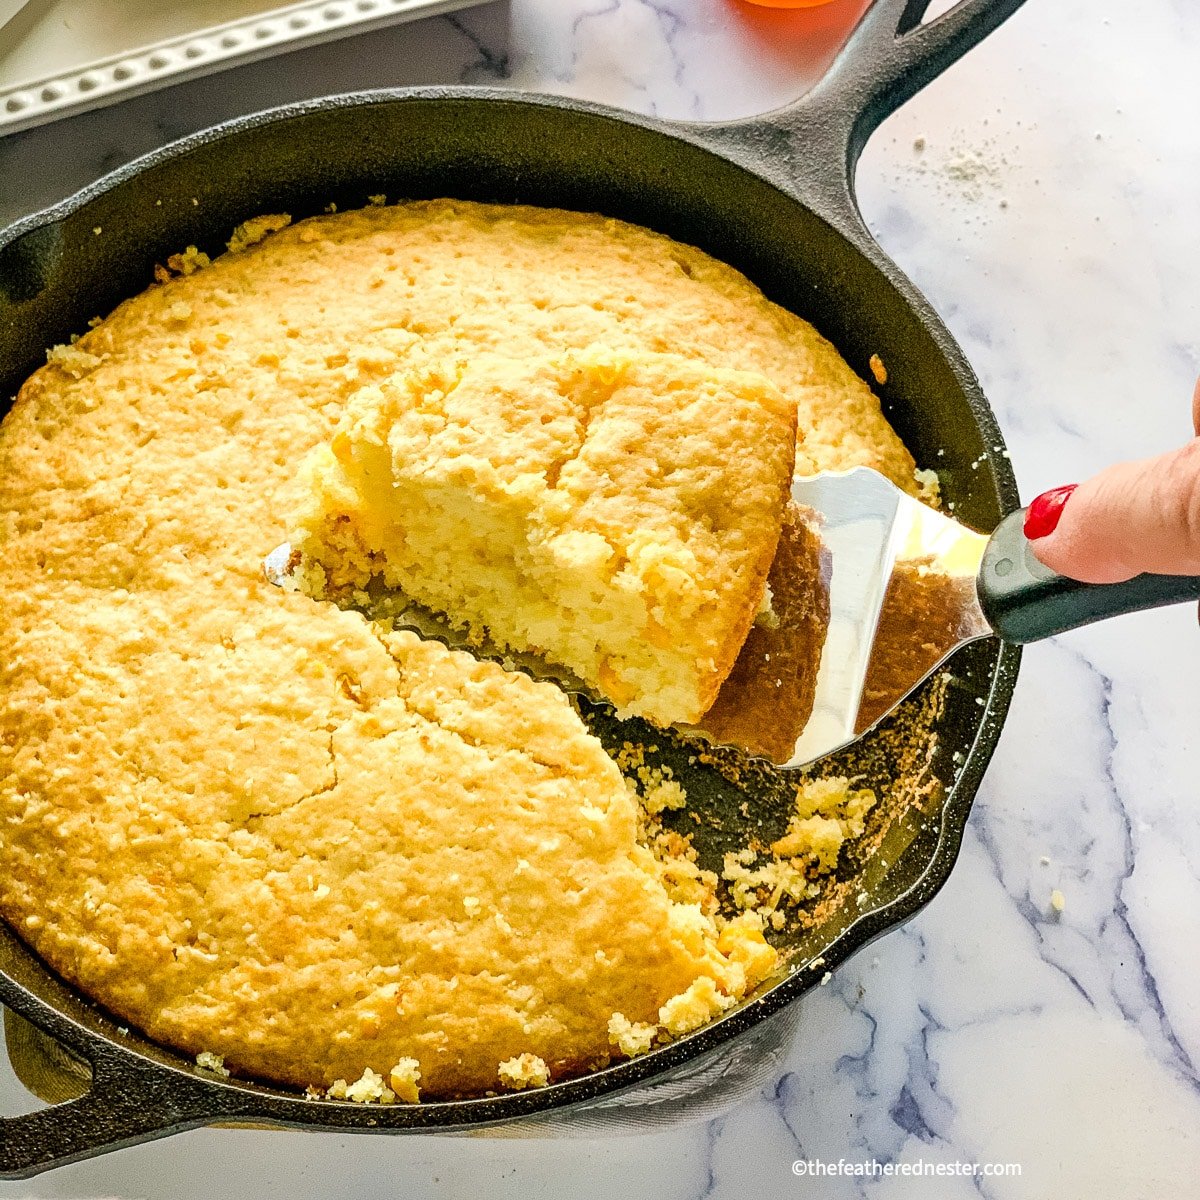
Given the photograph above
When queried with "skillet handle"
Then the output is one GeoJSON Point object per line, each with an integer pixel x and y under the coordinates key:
{"type": "Point", "coordinates": [1025, 601]}
{"type": "Point", "coordinates": [890, 57]}
{"type": "Point", "coordinates": [812, 146]}
{"type": "Point", "coordinates": [112, 1113]}
{"type": "Point", "coordinates": [128, 1100]}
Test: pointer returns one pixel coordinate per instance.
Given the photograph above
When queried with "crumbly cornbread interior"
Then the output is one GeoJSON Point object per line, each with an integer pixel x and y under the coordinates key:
{"type": "Point", "coordinates": [617, 514]}
{"type": "Point", "coordinates": [257, 826]}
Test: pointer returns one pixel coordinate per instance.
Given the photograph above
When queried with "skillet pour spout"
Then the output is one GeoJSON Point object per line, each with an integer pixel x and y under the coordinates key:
{"type": "Point", "coordinates": [806, 247]}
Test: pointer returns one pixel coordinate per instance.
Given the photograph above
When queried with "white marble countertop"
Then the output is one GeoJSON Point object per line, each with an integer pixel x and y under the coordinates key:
{"type": "Point", "coordinates": [1051, 219]}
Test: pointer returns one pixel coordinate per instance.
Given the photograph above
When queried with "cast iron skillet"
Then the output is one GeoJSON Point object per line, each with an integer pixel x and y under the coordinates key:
{"type": "Point", "coordinates": [772, 196]}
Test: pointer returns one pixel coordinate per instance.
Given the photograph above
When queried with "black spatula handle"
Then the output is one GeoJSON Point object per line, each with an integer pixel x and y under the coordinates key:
{"type": "Point", "coordinates": [1025, 601]}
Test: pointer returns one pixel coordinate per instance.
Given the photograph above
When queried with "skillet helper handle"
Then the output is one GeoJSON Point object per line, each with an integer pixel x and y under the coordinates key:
{"type": "Point", "coordinates": [82, 1128]}
{"type": "Point", "coordinates": [1025, 601]}
{"type": "Point", "coordinates": [812, 145]}
{"type": "Point", "coordinates": [127, 1101]}
{"type": "Point", "coordinates": [891, 56]}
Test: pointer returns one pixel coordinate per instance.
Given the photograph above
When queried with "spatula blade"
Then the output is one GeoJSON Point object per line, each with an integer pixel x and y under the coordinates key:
{"type": "Point", "coordinates": [902, 599]}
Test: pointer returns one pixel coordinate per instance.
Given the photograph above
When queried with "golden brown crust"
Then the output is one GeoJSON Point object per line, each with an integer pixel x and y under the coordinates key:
{"type": "Point", "coordinates": [742, 629]}
{"type": "Point", "coordinates": [768, 697]}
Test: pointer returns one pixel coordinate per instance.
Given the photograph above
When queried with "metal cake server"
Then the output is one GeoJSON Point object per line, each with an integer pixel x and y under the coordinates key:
{"type": "Point", "coordinates": [872, 591]}
{"type": "Point", "coordinates": [910, 586]}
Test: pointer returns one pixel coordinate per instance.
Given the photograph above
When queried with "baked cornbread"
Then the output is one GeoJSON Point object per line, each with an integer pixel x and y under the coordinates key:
{"type": "Point", "coordinates": [616, 513]}
{"type": "Point", "coordinates": [245, 821]}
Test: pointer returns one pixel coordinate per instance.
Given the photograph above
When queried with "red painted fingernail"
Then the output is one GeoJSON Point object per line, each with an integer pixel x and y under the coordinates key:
{"type": "Point", "coordinates": [1041, 517]}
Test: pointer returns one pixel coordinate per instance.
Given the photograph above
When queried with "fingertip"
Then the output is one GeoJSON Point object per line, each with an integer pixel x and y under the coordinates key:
{"type": "Point", "coordinates": [1063, 554]}
{"type": "Point", "coordinates": [1196, 408]}
{"type": "Point", "coordinates": [1084, 540]}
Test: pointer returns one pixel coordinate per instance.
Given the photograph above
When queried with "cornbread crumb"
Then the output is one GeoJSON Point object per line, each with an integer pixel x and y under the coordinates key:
{"type": "Point", "coordinates": [617, 513]}
{"type": "Point", "coordinates": [693, 1007]}
{"type": "Point", "coordinates": [1057, 901]}
{"type": "Point", "coordinates": [817, 836]}
{"type": "Point", "coordinates": [209, 1061]}
{"type": "Point", "coordinates": [404, 1078]}
{"type": "Point", "coordinates": [250, 233]}
{"type": "Point", "coordinates": [630, 1037]}
{"type": "Point", "coordinates": [188, 261]}
{"type": "Point", "coordinates": [827, 814]}
{"type": "Point", "coordinates": [663, 795]}
{"type": "Point", "coordinates": [72, 359]}
{"type": "Point", "coordinates": [685, 880]}
{"type": "Point", "coordinates": [762, 888]}
{"type": "Point", "coordinates": [526, 1070]}
{"type": "Point", "coordinates": [368, 1089]}
{"type": "Point", "coordinates": [656, 785]}
{"type": "Point", "coordinates": [767, 617]}
{"type": "Point", "coordinates": [377, 199]}
{"type": "Point", "coordinates": [929, 488]}
{"type": "Point", "coordinates": [658, 791]}
{"type": "Point", "coordinates": [878, 369]}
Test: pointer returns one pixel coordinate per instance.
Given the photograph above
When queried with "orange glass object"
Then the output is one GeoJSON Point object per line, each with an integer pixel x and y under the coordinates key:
{"type": "Point", "coordinates": [789, 3]}
{"type": "Point", "coordinates": [806, 34]}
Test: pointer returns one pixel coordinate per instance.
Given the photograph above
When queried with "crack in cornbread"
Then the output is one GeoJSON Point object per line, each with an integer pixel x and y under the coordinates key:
{"type": "Point", "coordinates": [616, 514]}
{"type": "Point", "coordinates": [447, 869]}
{"type": "Point", "coordinates": [233, 815]}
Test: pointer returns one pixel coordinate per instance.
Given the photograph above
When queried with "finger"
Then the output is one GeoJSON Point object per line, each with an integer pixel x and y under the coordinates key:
{"type": "Point", "coordinates": [1134, 517]}
{"type": "Point", "coordinates": [1196, 408]}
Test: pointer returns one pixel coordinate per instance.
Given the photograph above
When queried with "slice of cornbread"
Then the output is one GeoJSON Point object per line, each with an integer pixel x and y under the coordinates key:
{"type": "Point", "coordinates": [616, 514]}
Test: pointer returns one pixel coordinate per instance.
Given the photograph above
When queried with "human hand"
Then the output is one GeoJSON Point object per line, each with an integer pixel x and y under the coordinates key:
{"type": "Point", "coordinates": [1132, 518]}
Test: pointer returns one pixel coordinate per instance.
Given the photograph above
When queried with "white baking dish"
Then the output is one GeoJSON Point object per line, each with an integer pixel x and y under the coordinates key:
{"type": "Point", "coordinates": [60, 57]}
